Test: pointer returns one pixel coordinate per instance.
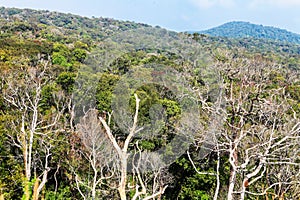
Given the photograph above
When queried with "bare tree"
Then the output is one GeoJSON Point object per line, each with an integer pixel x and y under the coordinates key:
{"type": "Point", "coordinates": [150, 180]}
{"type": "Point", "coordinates": [99, 154]}
{"type": "Point", "coordinates": [260, 130]}
{"type": "Point", "coordinates": [110, 165]}
{"type": "Point", "coordinates": [123, 155]}
{"type": "Point", "coordinates": [261, 135]}
{"type": "Point", "coordinates": [22, 90]}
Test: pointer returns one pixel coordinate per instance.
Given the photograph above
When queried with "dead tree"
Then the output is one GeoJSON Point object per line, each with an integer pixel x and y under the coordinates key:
{"type": "Point", "coordinates": [22, 90]}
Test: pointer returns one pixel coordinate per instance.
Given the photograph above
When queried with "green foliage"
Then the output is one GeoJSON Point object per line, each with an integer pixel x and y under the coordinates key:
{"type": "Point", "coordinates": [29, 184]}
{"type": "Point", "coordinates": [4, 56]}
{"type": "Point", "coordinates": [66, 80]}
{"type": "Point", "coordinates": [105, 90]}
{"type": "Point", "coordinates": [63, 49]}
{"type": "Point", "coordinates": [79, 54]}
{"type": "Point", "coordinates": [191, 185]}
{"type": "Point", "coordinates": [61, 55]}
{"type": "Point", "coordinates": [147, 145]}
{"type": "Point", "coordinates": [48, 96]}
{"type": "Point", "coordinates": [10, 180]}
{"type": "Point", "coordinates": [81, 45]}
{"type": "Point", "coordinates": [59, 59]}
{"type": "Point", "coordinates": [172, 107]}
{"type": "Point", "coordinates": [61, 194]}
{"type": "Point", "coordinates": [294, 91]}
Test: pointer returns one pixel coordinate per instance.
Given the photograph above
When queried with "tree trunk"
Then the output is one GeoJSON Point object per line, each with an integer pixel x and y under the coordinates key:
{"type": "Point", "coordinates": [35, 190]}
{"type": "Point", "coordinates": [233, 161]}
{"type": "Point", "coordinates": [122, 185]}
{"type": "Point", "coordinates": [244, 186]}
{"type": "Point", "coordinates": [26, 189]}
{"type": "Point", "coordinates": [94, 184]}
{"type": "Point", "coordinates": [231, 184]}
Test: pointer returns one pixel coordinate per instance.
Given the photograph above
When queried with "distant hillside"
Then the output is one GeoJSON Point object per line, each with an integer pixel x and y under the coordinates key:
{"type": "Point", "coordinates": [240, 29]}
{"type": "Point", "coordinates": [60, 26]}
{"type": "Point", "coordinates": [40, 26]}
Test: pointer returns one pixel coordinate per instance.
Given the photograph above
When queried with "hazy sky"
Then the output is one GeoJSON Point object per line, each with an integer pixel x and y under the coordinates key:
{"type": "Point", "coordinates": [178, 15]}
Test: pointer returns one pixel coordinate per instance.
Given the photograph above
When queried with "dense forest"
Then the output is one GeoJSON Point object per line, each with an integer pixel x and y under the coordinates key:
{"type": "Point", "coordinates": [96, 108]}
{"type": "Point", "coordinates": [240, 29]}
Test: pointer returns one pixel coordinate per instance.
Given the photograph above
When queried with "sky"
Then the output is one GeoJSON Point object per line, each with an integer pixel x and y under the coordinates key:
{"type": "Point", "coordinates": [178, 15]}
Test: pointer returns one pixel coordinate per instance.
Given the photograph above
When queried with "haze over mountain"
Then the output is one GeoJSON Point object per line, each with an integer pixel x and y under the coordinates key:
{"type": "Point", "coordinates": [240, 29]}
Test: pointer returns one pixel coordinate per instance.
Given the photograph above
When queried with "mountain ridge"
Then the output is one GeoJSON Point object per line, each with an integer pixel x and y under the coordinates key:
{"type": "Point", "coordinates": [242, 29]}
{"type": "Point", "coordinates": [41, 25]}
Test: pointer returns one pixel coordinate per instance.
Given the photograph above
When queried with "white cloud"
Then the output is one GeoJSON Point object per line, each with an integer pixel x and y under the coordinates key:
{"type": "Point", "coordinates": [279, 3]}
{"type": "Point", "coordinates": [205, 4]}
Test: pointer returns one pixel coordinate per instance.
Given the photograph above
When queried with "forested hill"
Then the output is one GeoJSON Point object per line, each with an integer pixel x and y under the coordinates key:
{"type": "Point", "coordinates": [49, 26]}
{"type": "Point", "coordinates": [57, 26]}
{"type": "Point", "coordinates": [239, 29]}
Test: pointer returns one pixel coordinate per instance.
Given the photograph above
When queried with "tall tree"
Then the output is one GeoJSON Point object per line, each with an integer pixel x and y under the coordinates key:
{"type": "Point", "coordinates": [32, 130]}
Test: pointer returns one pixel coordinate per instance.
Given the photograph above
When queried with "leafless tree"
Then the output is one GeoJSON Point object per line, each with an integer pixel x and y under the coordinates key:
{"type": "Point", "coordinates": [22, 90]}
{"type": "Point", "coordinates": [113, 164]}
{"type": "Point", "coordinates": [261, 135]}
{"type": "Point", "coordinates": [97, 151]}
{"type": "Point", "coordinates": [260, 130]}
{"type": "Point", "coordinates": [123, 155]}
{"type": "Point", "coordinates": [149, 180]}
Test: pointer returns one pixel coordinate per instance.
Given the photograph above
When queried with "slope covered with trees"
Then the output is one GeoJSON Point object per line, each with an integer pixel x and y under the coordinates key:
{"type": "Point", "coordinates": [239, 29]}
{"type": "Point", "coordinates": [105, 109]}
